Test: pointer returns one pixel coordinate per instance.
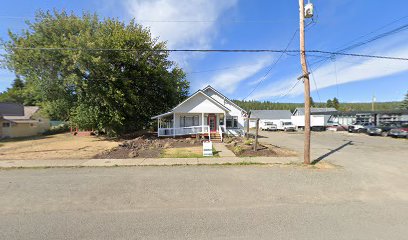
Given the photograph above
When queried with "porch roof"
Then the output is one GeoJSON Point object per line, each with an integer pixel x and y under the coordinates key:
{"type": "Point", "coordinates": [162, 115]}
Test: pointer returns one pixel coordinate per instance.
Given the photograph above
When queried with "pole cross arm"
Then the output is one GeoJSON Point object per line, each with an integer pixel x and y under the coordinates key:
{"type": "Point", "coordinates": [304, 75]}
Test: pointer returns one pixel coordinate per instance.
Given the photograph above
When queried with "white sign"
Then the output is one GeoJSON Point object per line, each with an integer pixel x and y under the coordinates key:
{"type": "Point", "coordinates": [207, 149]}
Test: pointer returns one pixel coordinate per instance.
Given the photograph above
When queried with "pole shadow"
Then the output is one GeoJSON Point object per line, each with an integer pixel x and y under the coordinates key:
{"type": "Point", "coordinates": [317, 160]}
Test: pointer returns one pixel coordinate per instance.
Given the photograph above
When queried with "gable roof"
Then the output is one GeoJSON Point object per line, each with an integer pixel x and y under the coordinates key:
{"type": "Point", "coordinates": [28, 112]}
{"type": "Point", "coordinates": [210, 98]}
{"type": "Point", "coordinates": [193, 95]}
{"type": "Point", "coordinates": [271, 114]}
{"type": "Point", "coordinates": [301, 111]}
{"type": "Point", "coordinates": [11, 109]}
{"type": "Point", "coordinates": [223, 96]}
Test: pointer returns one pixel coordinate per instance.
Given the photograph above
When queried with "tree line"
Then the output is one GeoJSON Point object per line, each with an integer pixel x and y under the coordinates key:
{"type": "Point", "coordinates": [331, 103]}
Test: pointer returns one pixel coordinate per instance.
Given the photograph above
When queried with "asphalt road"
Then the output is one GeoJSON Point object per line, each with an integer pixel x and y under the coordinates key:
{"type": "Point", "coordinates": [366, 198]}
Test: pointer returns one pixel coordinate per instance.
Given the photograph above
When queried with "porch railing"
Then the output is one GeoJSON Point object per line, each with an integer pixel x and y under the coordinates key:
{"type": "Point", "coordinates": [183, 131]}
{"type": "Point", "coordinates": [220, 131]}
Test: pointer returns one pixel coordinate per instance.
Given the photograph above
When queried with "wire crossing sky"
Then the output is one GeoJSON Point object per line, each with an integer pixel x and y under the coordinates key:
{"type": "Point", "coordinates": [248, 49]}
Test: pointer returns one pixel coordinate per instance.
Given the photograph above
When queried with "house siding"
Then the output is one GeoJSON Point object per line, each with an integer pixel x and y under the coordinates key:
{"type": "Point", "coordinates": [24, 129]}
{"type": "Point", "coordinates": [236, 112]}
{"type": "Point", "coordinates": [199, 104]}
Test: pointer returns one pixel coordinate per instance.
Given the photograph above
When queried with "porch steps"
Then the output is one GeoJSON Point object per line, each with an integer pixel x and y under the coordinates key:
{"type": "Point", "coordinates": [215, 137]}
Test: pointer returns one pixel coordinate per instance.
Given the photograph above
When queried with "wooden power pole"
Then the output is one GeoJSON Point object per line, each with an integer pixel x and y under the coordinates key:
{"type": "Point", "coordinates": [305, 76]}
{"type": "Point", "coordinates": [256, 135]}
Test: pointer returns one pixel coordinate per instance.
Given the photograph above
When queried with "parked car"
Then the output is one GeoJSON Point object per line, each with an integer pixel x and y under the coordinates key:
{"type": "Point", "coordinates": [335, 126]}
{"type": "Point", "coordinates": [269, 126]}
{"type": "Point", "coordinates": [286, 126]}
{"type": "Point", "coordinates": [360, 127]}
{"type": "Point", "coordinates": [382, 129]}
{"type": "Point", "coordinates": [399, 132]}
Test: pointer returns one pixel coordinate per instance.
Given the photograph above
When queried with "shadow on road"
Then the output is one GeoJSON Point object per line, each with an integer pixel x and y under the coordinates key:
{"type": "Point", "coordinates": [331, 152]}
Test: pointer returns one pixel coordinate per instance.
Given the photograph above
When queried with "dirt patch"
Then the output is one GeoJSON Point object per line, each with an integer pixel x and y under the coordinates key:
{"type": "Point", "coordinates": [54, 147]}
{"type": "Point", "coordinates": [147, 146]}
{"type": "Point", "coordinates": [245, 148]}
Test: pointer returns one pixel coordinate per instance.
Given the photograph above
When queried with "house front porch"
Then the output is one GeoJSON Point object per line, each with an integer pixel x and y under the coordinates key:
{"type": "Point", "coordinates": [184, 124]}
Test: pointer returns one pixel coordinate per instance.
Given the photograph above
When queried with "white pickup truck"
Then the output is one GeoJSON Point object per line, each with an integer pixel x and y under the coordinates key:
{"type": "Point", "coordinates": [360, 127]}
{"type": "Point", "coordinates": [285, 125]}
{"type": "Point", "coordinates": [268, 126]}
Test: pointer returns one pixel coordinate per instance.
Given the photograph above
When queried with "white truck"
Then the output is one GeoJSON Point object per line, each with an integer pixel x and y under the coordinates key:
{"type": "Point", "coordinates": [268, 126]}
{"type": "Point", "coordinates": [317, 122]}
{"type": "Point", "coordinates": [284, 125]}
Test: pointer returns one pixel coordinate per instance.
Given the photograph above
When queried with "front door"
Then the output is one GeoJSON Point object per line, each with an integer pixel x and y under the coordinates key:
{"type": "Point", "coordinates": [212, 122]}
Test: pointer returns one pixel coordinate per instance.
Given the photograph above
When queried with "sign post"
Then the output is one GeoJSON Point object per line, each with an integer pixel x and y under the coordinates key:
{"type": "Point", "coordinates": [207, 149]}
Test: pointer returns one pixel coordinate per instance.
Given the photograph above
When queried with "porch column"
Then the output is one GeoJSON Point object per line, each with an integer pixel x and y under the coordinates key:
{"type": "Point", "coordinates": [158, 126]}
{"type": "Point", "coordinates": [202, 122]}
{"type": "Point", "coordinates": [174, 124]}
{"type": "Point", "coordinates": [225, 121]}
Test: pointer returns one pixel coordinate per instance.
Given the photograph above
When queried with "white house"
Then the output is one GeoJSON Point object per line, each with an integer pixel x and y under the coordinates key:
{"type": "Point", "coordinates": [206, 112]}
{"type": "Point", "coordinates": [17, 120]}
{"type": "Point", "coordinates": [268, 116]}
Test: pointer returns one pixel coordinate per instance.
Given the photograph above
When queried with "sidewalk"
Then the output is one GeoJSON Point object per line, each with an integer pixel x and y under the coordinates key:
{"type": "Point", "coordinates": [143, 162]}
{"type": "Point", "coordinates": [223, 151]}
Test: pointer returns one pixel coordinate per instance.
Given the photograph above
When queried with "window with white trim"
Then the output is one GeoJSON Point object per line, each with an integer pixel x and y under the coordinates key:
{"type": "Point", "coordinates": [232, 122]}
{"type": "Point", "coordinates": [188, 121]}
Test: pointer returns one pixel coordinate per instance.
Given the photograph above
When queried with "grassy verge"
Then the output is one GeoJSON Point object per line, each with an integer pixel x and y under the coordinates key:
{"type": "Point", "coordinates": [186, 152]}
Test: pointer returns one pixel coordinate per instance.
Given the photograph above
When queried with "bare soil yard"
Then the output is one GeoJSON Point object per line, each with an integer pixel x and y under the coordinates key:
{"type": "Point", "coordinates": [149, 146]}
{"type": "Point", "coordinates": [59, 146]}
{"type": "Point", "coordinates": [245, 148]}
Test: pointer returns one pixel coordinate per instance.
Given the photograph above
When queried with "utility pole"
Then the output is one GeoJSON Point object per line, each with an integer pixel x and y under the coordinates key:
{"type": "Point", "coordinates": [256, 135]}
{"type": "Point", "coordinates": [305, 76]}
{"type": "Point", "coordinates": [372, 103]}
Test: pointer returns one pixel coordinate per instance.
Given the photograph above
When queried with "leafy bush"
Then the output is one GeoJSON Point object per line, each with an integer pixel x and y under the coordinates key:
{"type": "Point", "coordinates": [248, 142]}
{"type": "Point", "coordinates": [238, 149]}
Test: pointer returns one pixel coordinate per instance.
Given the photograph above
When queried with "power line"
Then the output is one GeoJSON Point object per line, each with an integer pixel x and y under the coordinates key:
{"type": "Point", "coordinates": [167, 20]}
{"type": "Point", "coordinates": [314, 81]}
{"type": "Point", "coordinates": [393, 31]}
{"type": "Point", "coordinates": [335, 72]}
{"type": "Point", "coordinates": [272, 66]}
{"type": "Point", "coordinates": [211, 51]}
{"type": "Point", "coordinates": [375, 30]}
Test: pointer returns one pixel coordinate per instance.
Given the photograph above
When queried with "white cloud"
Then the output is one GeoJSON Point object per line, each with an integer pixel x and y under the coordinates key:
{"type": "Point", "coordinates": [349, 69]}
{"type": "Point", "coordinates": [180, 34]}
{"type": "Point", "coordinates": [228, 81]}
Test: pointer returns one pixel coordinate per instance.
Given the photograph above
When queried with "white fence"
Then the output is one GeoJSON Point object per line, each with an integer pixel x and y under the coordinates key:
{"type": "Point", "coordinates": [162, 132]}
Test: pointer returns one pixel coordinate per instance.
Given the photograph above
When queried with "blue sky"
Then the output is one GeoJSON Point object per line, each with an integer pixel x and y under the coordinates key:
{"type": "Point", "coordinates": [256, 24]}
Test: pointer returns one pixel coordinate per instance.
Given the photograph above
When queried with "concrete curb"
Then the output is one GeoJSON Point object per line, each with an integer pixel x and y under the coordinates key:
{"type": "Point", "coordinates": [143, 162]}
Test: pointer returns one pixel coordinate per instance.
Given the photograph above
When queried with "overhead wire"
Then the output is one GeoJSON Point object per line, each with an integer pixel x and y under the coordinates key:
{"type": "Point", "coordinates": [209, 51]}
{"type": "Point", "coordinates": [273, 65]}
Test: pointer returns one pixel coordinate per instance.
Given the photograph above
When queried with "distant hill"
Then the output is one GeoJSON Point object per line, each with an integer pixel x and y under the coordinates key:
{"type": "Point", "coordinates": [258, 105]}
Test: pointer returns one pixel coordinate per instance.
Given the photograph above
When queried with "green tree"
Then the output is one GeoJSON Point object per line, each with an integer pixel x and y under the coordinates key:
{"type": "Point", "coordinates": [404, 103]}
{"type": "Point", "coordinates": [116, 90]}
{"type": "Point", "coordinates": [336, 103]}
{"type": "Point", "coordinates": [17, 93]}
{"type": "Point", "coordinates": [329, 103]}
{"type": "Point", "coordinates": [312, 103]}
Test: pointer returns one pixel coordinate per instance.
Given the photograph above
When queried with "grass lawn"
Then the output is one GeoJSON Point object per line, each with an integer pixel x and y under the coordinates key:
{"type": "Point", "coordinates": [186, 152]}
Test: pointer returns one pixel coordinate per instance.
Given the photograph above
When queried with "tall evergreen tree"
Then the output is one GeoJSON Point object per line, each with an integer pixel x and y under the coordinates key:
{"type": "Point", "coordinates": [404, 103]}
{"type": "Point", "coordinates": [329, 103]}
{"type": "Point", "coordinates": [336, 103]}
